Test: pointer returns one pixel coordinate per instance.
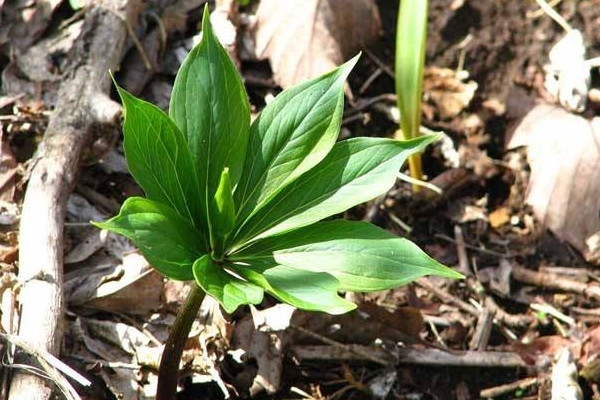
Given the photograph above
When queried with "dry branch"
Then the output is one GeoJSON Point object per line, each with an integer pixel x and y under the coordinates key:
{"type": "Point", "coordinates": [429, 356]}
{"type": "Point", "coordinates": [555, 282]}
{"type": "Point", "coordinates": [83, 109]}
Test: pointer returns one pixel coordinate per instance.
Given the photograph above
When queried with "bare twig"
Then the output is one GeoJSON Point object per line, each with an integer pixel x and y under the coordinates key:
{"type": "Point", "coordinates": [50, 365]}
{"type": "Point", "coordinates": [555, 282]}
{"type": "Point", "coordinates": [483, 330]}
{"type": "Point", "coordinates": [380, 64]}
{"type": "Point", "coordinates": [461, 251]}
{"type": "Point", "coordinates": [504, 318]}
{"type": "Point", "coordinates": [355, 350]}
{"type": "Point", "coordinates": [488, 359]}
{"type": "Point", "coordinates": [501, 390]}
{"type": "Point", "coordinates": [447, 297]}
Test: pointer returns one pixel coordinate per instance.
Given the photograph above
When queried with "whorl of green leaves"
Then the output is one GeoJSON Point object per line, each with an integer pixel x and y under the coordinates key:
{"type": "Point", "coordinates": [236, 206]}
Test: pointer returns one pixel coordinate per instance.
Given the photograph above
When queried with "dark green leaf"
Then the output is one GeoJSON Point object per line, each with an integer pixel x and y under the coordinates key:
{"type": "Point", "coordinates": [313, 291]}
{"type": "Point", "coordinates": [168, 241]}
{"type": "Point", "coordinates": [159, 160]}
{"type": "Point", "coordinates": [210, 106]}
{"type": "Point", "coordinates": [355, 171]}
{"type": "Point", "coordinates": [361, 256]}
{"type": "Point", "coordinates": [230, 291]}
{"type": "Point", "coordinates": [292, 134]}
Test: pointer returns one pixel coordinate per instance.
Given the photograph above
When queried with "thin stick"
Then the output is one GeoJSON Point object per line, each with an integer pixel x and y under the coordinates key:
{"type": "Point", "coordinates": [551, 12]}
{"type": "Point", "coordinates": [418, 182]}
{"type": "Point", "coordinates": [539, 13]}
{"type": "Point", "coordinates": [501, 390]}
{"type": "Point", "coordinates": [50, 365]}
{"type": "Point", "coordinates": [461, 251]}
{"type": "Point", "coordinates": [388, 71]}
{"type": "Point", "coordinates": [430, 356]}
{"type": "Point", "coordinates": [447, 297]}
{"type": "Point", "coordinates": [556, 282]}
{"type": "Point", "coordinates": [356, 350]}
{"type": "Point", "coordinates": [471, 247]}
{"type": "Point", "coordinates": [483, 330]}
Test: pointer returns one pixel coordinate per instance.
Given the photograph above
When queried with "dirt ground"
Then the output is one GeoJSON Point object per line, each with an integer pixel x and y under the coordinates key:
{"type": "Point", "coordinates": [533, 293]}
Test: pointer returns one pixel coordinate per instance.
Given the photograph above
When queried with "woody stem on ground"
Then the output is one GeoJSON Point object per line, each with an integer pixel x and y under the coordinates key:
{"type": "Point", "coordinates": [169, 361]}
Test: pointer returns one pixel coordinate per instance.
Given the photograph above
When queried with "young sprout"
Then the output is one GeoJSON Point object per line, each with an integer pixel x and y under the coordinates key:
{"type": "Point", "coordinates": [411, 36]}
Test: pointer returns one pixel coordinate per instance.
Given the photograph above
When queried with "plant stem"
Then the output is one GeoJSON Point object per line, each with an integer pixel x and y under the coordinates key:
{"type": "Point", "coordinates": [416, 170]}
{"type": "Point", "coordinates": [169, 361]}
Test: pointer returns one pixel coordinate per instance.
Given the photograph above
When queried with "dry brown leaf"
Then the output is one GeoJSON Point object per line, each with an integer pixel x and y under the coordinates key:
{"type": "Point", "coordinates": [261, 337]}
{"type": "Point", "coordinates": [306, 38]}
{"type": "Point", "coordinates": [448, 90]}
{"type": "Point", "coordinates": [132, 287]}
{"type": "Point", "coordinates": [564, 155]}
{"type": "Point", "coordinates": [541, 350]}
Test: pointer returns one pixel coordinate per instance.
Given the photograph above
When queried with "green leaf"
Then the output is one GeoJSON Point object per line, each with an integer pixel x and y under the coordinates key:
{"type": "Point", "coordinates": [223, 206]}
{"type": "Point", "coordinates": [168, 241]}
{"type": "Point", "coordinates": [292, 134]}
{"type": "Point", "coordinates": [210, 106]}
{"type": "Point", "coordinates": [312, 291]}
{"type": "Point", "coordinates": [411, 37]}
{"type": "Point", "coordinates": [355, 171]}
{"type": "Point", "coordinates": [361, 256]}
{"type": "Point", "coordinates": [230, 291]}
{"type": "Point", "coordinates": [159, 160]}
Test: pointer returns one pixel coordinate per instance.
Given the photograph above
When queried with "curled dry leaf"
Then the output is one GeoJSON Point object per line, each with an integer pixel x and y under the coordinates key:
{"type": "Point", "coordinates": [306, 38]}
{"type": "Point", "coordinates": [564, 155]}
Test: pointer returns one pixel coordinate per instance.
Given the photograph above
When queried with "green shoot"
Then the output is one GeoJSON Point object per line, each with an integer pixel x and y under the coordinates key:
{"type": "Point", "coordinates": [411, 36]}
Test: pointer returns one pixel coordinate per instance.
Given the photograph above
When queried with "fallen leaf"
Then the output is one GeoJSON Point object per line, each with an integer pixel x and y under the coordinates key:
{"type": "Point", "coordinates": [118, 345]}
{"type": "Point", "coordinates": [541, 351]}
{"type": "Point", "coordinates": [306, 38]}
{"type": "Point", "coordinates": [564, 155]}
{"type": "Point", "coordinates": [262, 338]}
{"type": "Point", "coordinates": [132, 287]}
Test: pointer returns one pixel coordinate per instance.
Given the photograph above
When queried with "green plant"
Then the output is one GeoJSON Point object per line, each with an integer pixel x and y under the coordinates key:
{"type": "Point", "coordinates": [411, 37]}
{"type": "Point", "coordinates": [236, 206]}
